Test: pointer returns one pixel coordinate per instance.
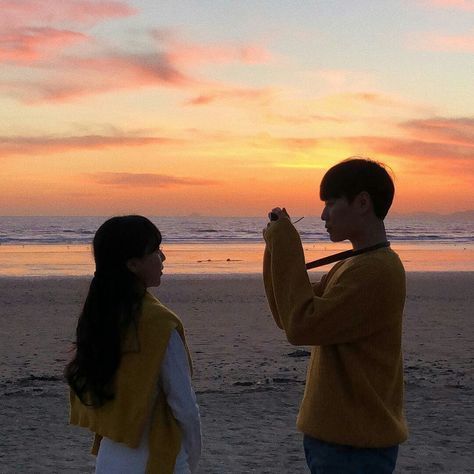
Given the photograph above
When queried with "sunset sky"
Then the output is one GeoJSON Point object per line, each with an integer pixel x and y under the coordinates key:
{"type": "Point", "coordinates": [231, 107]}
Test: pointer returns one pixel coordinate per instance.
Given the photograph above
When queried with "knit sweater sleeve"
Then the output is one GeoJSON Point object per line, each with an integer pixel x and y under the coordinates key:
{"type": "Point", "coordinates": [318, 287]}
{"type": "Point", "coordinates": [345, 312]}
{"type": "Point", "coordinates": [268, 283]}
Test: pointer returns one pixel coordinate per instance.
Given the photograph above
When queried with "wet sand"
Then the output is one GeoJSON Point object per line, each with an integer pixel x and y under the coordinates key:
{"type": "Point", "coordinates": [249, 380]}
{"type": "Point", "coordinates": [218, 258]}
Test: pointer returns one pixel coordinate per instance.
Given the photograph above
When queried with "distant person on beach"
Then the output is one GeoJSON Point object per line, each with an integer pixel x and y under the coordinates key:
{"type": "Point", "coordinates": [352, 412]}
{"type": "Point", "coordinates": [130, 376]}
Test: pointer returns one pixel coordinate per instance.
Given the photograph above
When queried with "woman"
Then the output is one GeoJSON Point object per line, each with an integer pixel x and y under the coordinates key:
{"type": "Point", "coordinates": [130, 376]}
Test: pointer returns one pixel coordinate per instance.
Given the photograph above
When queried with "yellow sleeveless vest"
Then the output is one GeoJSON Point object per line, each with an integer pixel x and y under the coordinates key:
{"type": "Point", "coordinates": [123, 419]}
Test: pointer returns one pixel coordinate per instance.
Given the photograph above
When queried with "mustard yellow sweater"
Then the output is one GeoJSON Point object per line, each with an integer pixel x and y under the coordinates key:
{"type": "Point", "coordinates": [123, 419]}
{"type": "Point", "coordinates": [353, 317]}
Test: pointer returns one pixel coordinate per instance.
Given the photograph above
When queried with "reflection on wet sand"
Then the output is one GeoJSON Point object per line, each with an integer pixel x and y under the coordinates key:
{"type": "Point", "coordinates": [217, 258]}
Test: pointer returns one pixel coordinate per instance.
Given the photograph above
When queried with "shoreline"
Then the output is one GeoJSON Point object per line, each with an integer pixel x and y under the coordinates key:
{"type": "Point", "coordinates": [223, 276]}
{"type": "Point", "coordinates": [219, 259]}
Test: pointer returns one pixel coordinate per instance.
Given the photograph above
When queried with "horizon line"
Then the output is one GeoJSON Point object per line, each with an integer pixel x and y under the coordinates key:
{"type": "Point", "coordinates": [393, 214]}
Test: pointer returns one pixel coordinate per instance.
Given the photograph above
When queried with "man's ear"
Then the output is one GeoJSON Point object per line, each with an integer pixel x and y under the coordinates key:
{"type": "Point", "coordinates": [132, 264]}
{"type": "Point", "coordinates": [364, 201]}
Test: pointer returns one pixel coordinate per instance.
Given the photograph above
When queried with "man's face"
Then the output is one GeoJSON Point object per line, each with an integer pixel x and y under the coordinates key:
{"type": "Point", "coordinates": [340, 218]}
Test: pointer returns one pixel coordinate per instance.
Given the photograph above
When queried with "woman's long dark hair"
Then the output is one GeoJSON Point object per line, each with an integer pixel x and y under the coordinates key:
{"type": "Point", "coordinates": [112, 305]}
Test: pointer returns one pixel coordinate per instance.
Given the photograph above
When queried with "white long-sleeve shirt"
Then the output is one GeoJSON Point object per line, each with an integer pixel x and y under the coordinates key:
{"type": "Point", "coordinates": [175, 380]}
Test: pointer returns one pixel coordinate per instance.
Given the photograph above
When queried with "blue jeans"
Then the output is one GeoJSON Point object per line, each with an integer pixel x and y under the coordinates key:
{"type": "Point", "coordinates": [330, 458]}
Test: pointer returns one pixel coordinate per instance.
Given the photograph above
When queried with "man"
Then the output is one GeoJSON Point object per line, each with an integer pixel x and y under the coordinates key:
{"type": "Point", "coordinates": [352, 410]}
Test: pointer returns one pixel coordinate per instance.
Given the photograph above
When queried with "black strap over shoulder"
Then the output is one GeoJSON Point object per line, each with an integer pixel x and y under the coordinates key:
{"type": "Point", "coordinates": [343, 255]}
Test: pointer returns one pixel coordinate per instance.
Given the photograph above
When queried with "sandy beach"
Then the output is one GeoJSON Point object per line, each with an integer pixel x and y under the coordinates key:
{"type": "Point", "coordinates": [249, 380]}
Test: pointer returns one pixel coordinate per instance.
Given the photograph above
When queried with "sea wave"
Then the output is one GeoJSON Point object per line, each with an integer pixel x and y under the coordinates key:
{"type": "Point", "coordinates": [80, 230]}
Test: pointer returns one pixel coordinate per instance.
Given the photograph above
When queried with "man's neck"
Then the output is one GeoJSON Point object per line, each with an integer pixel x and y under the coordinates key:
{"type": "Point", "coordinates": [371, 234]}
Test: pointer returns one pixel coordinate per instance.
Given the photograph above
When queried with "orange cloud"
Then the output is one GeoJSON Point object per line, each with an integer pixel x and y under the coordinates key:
{"type": "Point", "coordinates": [28, 44]}
{"type": "Point", "coordinates": [148, 180]}
{"type": "Point", "coordinates": [10, 146]}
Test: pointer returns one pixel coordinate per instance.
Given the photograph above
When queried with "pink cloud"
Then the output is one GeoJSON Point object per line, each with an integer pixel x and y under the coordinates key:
{"type": "Point", "coordinates": [196, 54]}
{"type": "Point", "coordinates": [444, 144]}
{"type": "Point", "coordinates": [127, 70]}
{"type": "Point", "coordinates": [29, 44]}
{"type": "Point", "coordinates": [466, 5]}
{"type": "Point", "coordinates": [188, 53]}
{"type": "Point", "coordinates": [28, 12]}
{"type": "Point", "coordinates": [63, 79]}
{"type": "Point", "coordinates": [458, 131]}
{"type": "Point", "coordinates": [30, 36]}
{"type": "Point", "coordinates": [440, 145]}
{"type": "Point", "coordinates": [306, 118]}
{"type": "Point", "coordinates": [444, 43]}
{"type": "Point", "coordinates": [433, 145]}
{"type": "Point", "coordinates": [148, 180]}
{"type": "Point", "coordinates": [341, 79]}
{"type": "Point", "coordinates": [298, 143]}
{"type": "Point", "coordinates": [370, 98]}
{"type": "Point", "coordinates": [236, 94]}
{"type": "Point", "coordinates": [57, 74]}
{"type": "Point", "coordinates": [44, 145]}
{"type": "Point", "coordinates": [414, 149]}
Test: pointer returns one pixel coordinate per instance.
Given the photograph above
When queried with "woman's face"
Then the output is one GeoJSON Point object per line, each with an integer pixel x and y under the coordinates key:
{"type": "Point", "coordinates": [148, 269]}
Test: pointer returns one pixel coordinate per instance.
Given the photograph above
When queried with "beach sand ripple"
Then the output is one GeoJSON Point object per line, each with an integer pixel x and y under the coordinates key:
{"type": "Point", "coordinates": [249, 380]}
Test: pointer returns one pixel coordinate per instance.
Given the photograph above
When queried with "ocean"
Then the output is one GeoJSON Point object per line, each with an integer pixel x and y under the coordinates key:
{"type": "Point", "coordinates": [80, 230]}
{"type": "Point", "coordinates": [61, 246]}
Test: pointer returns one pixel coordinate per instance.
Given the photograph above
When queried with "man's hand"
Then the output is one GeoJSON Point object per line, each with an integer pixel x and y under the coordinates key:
{"type": "Point", "coordinates": [278, 213]}
{"type": "Point", "coordinates": [275, 214]}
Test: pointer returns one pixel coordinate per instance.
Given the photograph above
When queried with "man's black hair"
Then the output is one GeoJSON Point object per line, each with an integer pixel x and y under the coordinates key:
{"type": "Point", "coordinates": [354, 175]}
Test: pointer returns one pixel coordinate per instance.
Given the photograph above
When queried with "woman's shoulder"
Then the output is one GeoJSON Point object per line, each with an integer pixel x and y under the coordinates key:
{"type": "Point", "coordinates": [155, 323]}
{"type": "Point", "coordinates": [157, 314]}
